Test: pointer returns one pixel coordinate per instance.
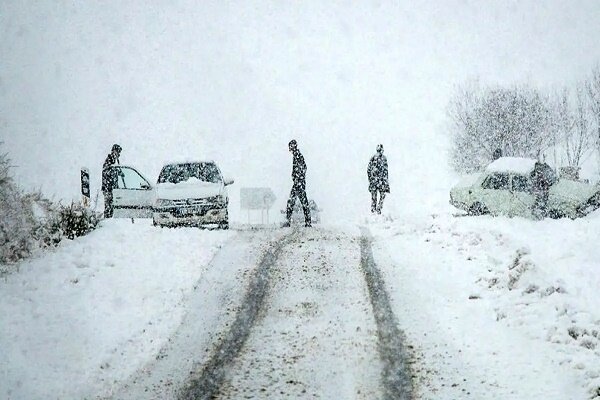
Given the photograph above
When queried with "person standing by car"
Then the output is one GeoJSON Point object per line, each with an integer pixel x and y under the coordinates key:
{"type": "Point", "coordinates": [109, 179]}
{"type": "Point", "coordinates": [542, 178]}
{"type": "Point", "coordinates": [298, 186]}
{"type": "Point", "coordinates": [497, 154]}
{"type": "Point", "coordinates": [377, 172]}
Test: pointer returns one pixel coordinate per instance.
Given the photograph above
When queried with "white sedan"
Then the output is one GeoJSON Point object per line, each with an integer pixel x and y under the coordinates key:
{"type": "Point", "coordinates": [187, 193]}
{"type": "Point", "coordinates": [506, 188]}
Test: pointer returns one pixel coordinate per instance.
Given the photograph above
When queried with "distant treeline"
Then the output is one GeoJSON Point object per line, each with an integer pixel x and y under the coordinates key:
{"type": "Point", "coordinates": [521, 121]}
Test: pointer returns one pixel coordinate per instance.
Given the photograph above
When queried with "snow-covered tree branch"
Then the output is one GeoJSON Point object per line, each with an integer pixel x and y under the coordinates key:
{"type": "Point", "coordinates": [593, 90]}
{"type": "Point", "coordinates": [515, 120]}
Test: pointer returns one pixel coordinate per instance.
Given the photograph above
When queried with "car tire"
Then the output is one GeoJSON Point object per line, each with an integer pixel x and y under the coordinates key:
{"type": "Point", "coordinates": [555, 214]}
{"type": "Point", "coordinates": [224, 225]}
{"type": "Point", "coordinates": [478, 209]}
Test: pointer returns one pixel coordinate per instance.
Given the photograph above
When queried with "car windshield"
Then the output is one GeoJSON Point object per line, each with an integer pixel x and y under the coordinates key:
{"type": "Point", "coordinates": [496, 182]}
{"type": "Point", "coordinates": [176, 173]}
{"type": "Point", "coordinates": [521, 184]}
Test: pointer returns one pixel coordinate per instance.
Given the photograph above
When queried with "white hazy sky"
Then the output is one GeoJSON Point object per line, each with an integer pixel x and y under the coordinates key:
{"type": "Point", "coordinates": [235, 81]}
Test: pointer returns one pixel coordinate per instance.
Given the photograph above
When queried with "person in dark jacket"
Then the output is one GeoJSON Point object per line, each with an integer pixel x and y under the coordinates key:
{"type": "Point", "coordinates": [542, 178]}
{"type": "Point", "coordinates": [109, 179]}
{"type": "Point", "coordinates": [298, 186]}
{"type": "Point", "coordinates": [497, 154]}
{"type": "Point", "coordinates": [377, 172]}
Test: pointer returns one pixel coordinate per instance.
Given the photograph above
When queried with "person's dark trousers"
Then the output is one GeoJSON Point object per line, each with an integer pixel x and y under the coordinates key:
{"type": "Point", "coordinates": [540, 205]}
{"type": "Point", "coordinates": [373, 201]}
{"type": "Point", "coordinates": [108, 205]}
{"type": "Point", "coordinates": [377, 206]}
{"type": "Point", "coordinates": [380, 205]}
{"type": "Point", "coordinates": [298, 191]}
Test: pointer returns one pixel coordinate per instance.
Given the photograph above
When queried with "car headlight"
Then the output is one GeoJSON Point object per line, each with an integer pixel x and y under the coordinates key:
{"type": "Point", "coordinates": [220, 199]}
{"type": "Point", "coordinates": [164, 203]}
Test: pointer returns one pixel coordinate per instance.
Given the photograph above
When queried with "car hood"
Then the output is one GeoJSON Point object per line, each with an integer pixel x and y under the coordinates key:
{"type": "Point", "coordinates": [573, 190]}
{"type": "Point", "coordinates": [188, 190]}
{"type": "Point", "coordinates": [468, 181]}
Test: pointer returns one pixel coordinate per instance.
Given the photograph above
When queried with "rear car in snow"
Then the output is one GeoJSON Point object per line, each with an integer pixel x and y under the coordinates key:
{"type": "Point", "coordinates": [191, 194]}
{"type": "Point", "coordinates": [506, 188]}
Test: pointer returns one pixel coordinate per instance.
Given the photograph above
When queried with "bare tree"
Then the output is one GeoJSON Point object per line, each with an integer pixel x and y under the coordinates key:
{"type": "Point", "coordinates": [469, 141]}
{"type": "Point", "coordinates": [593, 89]}
{"type": "Point", "coordinates": [579, 138]}
{"type": "Point", "coordinates": [515, 120]}
{"type": "Point", "coordinates": [561, 123]}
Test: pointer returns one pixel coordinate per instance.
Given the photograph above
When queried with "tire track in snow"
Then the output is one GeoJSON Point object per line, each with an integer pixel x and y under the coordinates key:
{"type": "Point", "coordinates": [316, 336]}
{"type": "Point", "coordinates": [213, 373]}
{"type": "Point", "coordinates": [396, 377]}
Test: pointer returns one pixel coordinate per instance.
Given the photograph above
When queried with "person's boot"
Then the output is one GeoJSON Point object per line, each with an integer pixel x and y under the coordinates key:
{"type": "Point", "coordinates": [308, 224]}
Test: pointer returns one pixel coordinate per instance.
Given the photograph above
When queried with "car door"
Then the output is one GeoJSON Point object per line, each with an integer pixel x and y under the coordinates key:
{"type": "Point", "coordinates": [523, 199]}
{"type": "Point", "coordinates": [496, 193]}
{"type": "Point", "coordinates": [134, 196]}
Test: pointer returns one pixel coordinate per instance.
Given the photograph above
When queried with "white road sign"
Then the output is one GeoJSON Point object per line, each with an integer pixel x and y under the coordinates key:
{"type": "Point", "coordinates": [257, 198]}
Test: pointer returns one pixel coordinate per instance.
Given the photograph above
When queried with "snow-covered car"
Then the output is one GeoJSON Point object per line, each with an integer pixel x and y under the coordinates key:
{"type": "Point", "coordinates": [191, 193]}
{"type": "Point", "coordinates": [506, 187]}
{"type": "Point", "coordinates": [298, 212]}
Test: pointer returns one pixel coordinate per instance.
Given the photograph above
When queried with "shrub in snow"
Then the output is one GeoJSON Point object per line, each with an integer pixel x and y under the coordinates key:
{"type": "Point", "coordinates": [28, 221]}
{"type": "Point", "coordinates": [17, 222]}
{"type": "Point", "coordinates": [76, 220]}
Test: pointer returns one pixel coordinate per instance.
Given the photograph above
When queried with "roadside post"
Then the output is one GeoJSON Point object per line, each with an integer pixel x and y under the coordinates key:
{"type": "Point", "coordinates": [85, 187]}
{"type": "Point", "coordinates": [257, 199]}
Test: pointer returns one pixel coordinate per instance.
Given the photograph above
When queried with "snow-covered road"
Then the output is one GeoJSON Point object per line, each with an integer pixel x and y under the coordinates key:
{"type": "Point", "coordinates": [316, 337]}
{"type": "Point", "coordinates": [136, 312]}
{"type": "Point", "coordinates": [299, 322]}
{"type": "Point", "coordinates": [212, 309]}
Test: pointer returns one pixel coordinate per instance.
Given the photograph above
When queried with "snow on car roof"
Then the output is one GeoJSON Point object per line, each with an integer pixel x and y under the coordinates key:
{"type": "Point", "coordinates": [517, 165]}
{"type": "Point", "coordinates": [188, 161]}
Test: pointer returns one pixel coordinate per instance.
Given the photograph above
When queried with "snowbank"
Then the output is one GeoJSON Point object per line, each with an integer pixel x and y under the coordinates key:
{"type": "Point", "coordinates": [92, 312]}
{"type": "Point", "coordinates": [498, 308]}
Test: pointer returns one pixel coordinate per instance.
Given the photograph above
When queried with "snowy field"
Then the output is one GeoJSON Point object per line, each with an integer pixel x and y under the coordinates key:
{"type": "Point", "coordinates": [96, 309]}
{"type": "Point", "coordinates": [497, 308]}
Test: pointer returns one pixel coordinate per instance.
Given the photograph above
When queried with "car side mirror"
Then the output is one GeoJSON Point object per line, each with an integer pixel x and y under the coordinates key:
{"type": "Point", "coordinates": [228, 182]}
{"type": "Point", "coordinates": [145, 186]}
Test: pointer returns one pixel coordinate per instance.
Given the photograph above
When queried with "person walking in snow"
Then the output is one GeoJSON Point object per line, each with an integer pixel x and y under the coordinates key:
{"type": "Point", "coordinates": [298, 186]}
{"type": "Point", "coordinates": [377, 172]}
{"type": "Point", "coordinates": [109, 179]}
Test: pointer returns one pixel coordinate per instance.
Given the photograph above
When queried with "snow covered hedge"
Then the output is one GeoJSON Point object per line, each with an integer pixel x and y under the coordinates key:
{"type": "Point", "coordinates": [28, 221]}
